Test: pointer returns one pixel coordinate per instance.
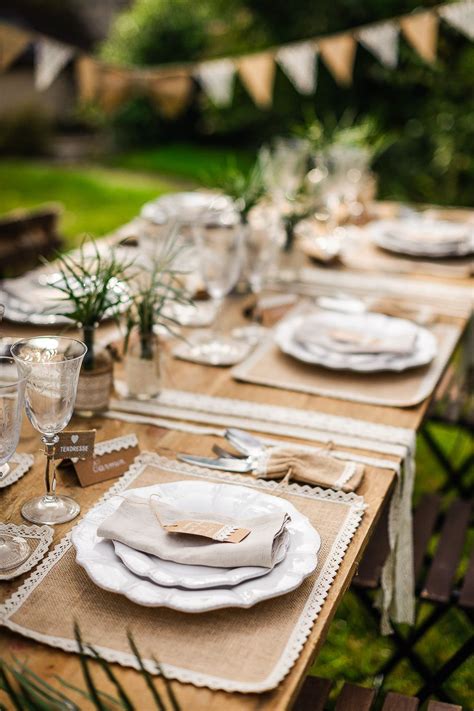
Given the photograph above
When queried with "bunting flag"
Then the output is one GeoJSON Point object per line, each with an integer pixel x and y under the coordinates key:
{"type": "Point", "coordinates": [217, 79]}
{"type": "Point", "coordinates": [257, 72]}
{"type": "Point", "coordinates": [50, 58]}
{"type": "Point", "coordinates": [338, 53]}
{"type": "Point", "coordinates": [12, 43]}
{"type": "Point", "coordinates": [298, 61]}
{"type": "Point", "coordinates": [460, 16]}
{"type": "Point", "coordinates": [171, 89]}
{"type": "Point", "coordinates": [421, 31]}
{"type": "Point", "coordinates": [170, 92]}
{"type": "Point", "coordinates": [115, 87]}
{"type": "Point", "coordinates": [87, 74]}
{"type": "Point", "coordinates": [382, 41]}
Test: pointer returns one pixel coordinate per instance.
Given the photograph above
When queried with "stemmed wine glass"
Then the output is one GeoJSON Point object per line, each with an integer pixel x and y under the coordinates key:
{"type": "Point", "coordinates": [13, 549]}
{"type": "Point", "coordinates": [52, 366]}
{"type": "Point", "coordinates": [219, 241]}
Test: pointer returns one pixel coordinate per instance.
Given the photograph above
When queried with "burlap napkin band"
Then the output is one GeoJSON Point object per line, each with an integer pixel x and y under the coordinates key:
{"type": "Point", "coordinates": [310, 467]}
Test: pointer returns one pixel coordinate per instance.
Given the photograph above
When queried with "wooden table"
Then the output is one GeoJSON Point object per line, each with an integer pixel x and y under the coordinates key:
{"type": "Point", "coordinates": [375, 488]}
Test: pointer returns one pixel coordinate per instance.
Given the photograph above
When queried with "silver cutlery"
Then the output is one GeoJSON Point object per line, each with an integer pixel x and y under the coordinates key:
{"type": "Point", "coordinates": [243, 442]}
{"type": "Point", "coordinates": [227, 464]}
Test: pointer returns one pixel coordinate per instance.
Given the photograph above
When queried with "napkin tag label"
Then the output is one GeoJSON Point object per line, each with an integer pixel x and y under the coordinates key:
{"type": "Point", "coordinates": [209, 529]}
{"type": "Point", "coordinates": [75, 444]}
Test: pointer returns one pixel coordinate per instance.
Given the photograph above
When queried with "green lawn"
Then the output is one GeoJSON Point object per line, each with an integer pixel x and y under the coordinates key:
{"type": "Point", "coordinates": [95, 199]}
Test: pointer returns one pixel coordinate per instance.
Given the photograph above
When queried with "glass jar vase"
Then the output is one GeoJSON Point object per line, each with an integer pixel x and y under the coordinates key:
{"type": "Point", "coordinates": [143, 365]}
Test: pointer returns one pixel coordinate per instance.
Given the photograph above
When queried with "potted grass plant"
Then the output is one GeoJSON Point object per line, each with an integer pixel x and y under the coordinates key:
{"type": "Point", "coordinates": [154, 295]}
{"type": "Point", "coordinates": [93, 283]}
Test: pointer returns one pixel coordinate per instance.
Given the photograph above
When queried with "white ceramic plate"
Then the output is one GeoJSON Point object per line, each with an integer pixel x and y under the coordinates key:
{"type": "Point", "coordinates": [450, 239]}
{"type": "Point", "coordinates": [184, 206]}
{"type": "Point", "coordinates": [98, 558]}
{"type": "Point", "coordinates": [191, 577]}
{"type": "Point", "coordinates": [423, 353]}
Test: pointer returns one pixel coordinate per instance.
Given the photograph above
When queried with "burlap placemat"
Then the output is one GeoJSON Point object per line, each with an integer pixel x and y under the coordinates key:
{"type": "Point", "coordinates": [364, 254]}
{"type": "Point", "coordinates": [213, 649]}
{"type": "Point", "coordinates": [269, 366]}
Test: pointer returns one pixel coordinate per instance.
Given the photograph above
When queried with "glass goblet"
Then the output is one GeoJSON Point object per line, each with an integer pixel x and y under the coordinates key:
{"type": "Point", "coordinates": [219, 242]}
{"type": "Point", "coordinates": [264, 237]}
{"type": "Point", "coordinates": [13, 549]}
{"type": "Point", "coordinates": [52, 366]}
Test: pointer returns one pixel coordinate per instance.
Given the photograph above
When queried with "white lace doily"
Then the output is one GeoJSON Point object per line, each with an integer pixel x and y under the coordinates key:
{"type": "Point", "coordinates": [19, 465]}
{"type": "Point", "coordinates": [42, 534]}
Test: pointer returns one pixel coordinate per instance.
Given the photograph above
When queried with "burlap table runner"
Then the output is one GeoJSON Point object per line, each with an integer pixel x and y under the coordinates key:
{"type": "Point", "coordinates": [269, 366]}
{"type": "Point", "coordinates": [213, 649]}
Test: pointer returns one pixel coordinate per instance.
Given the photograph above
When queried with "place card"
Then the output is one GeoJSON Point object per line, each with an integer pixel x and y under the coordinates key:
{"type": "Point", "coordinates": [75, 444]}
{"type": "Point", "coordinates": [208, 529]}
{"type": "Point", "coordinates": [105, 466]}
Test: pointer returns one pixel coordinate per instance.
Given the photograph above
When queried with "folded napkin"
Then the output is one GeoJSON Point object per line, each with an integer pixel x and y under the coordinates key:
{"type": "Point", "coordinates": [309, 467]}
{"type": "Point", "coordinates": [357, 334]}
{"type": "Point", "coordinates": [136, 524]}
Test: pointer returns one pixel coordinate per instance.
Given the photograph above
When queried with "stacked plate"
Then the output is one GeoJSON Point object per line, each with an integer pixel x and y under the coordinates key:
{"type": "Point", "coordinates": [423, 237]}
{"type": "Point", "coordinates": [151, 581]}
{"type": "Point", "coordinates": [365, 342]}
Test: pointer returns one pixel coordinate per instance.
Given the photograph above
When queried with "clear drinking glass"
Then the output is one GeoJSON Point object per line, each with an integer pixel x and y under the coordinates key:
{"type": "Point", "coordinates": [13, 549]}
{"type": "Point", "coordinates": [219, 241]}
{"type": "Point", "coordinates": [52, 366]}
{"type": "Point", "coordinates": [264, 237]}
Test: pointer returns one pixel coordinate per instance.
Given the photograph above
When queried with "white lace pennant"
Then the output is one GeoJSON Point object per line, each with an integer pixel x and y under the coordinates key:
{"type": "Point", "coordinates": [217, 79]}
{"type": "Point", "coordinates": [298, 61]}
{"type": "Point", "coordinates": [460, 15]}
{"type": "Point", "coordinates": [382, 41]}
{"type": "Point", "coordinates": [50, 58]}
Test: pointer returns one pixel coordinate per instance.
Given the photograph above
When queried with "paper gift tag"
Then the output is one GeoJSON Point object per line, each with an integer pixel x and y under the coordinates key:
{"type": "Point", "coordinates": [105, 466]}
{"type": "Point", "coordinates": [208, 529]}
{"type": "Point", "coordinates": [72, 445]}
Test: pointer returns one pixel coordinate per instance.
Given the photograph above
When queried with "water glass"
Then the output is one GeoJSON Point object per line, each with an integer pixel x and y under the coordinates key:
{"type": "Point", "coordinates": [52, 366]}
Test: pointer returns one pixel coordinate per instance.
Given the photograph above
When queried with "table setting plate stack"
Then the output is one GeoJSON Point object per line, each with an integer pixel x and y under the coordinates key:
{"type": "Point", "coordinates": [124, 548]}
{"type": "Point", "coordinates": [424, 237]}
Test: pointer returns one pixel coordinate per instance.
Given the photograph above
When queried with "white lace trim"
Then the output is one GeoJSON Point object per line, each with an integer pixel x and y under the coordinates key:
{"type": "Point", "coordinates": [116, 444]}
{"type": "Point", "coordinates": [270, 419]}
{"type": "Point", "coordinates": [347, 474]}
{"type": "Point", "coordinates": [23, 463]}
{"type": "Point", "coordinates": [44, 534]}
{"type": "Point", "coordinates": [302, 630]}
{"type": "Point", "coordinates": [449, 299]}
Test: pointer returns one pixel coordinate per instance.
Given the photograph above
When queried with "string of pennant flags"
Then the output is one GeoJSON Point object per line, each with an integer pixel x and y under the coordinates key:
{"type": "Point", "coordinates": [171, 87]}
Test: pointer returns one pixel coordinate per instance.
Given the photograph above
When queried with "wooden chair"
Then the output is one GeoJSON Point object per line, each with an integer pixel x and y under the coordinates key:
{"type": "Point", "coordinates": [25, 236]}
{"type": "Point", "coordinates": [437, 583]}
{"type": "Point", "coordinates": [315, 693]}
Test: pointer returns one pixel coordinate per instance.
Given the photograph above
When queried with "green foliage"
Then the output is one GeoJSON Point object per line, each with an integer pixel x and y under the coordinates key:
{"type": "Point", "coordinates": [153, 291]}
{"type": "Point", "coordinates": [426, 111]}
{"type": "Point", "coordinates": [92, 284]}
{"type": "Point", "coordinates": [245, 187]}
{"type": "Point", "coordinates": [25, 132]}
{"type": "Point", "coordinates": [27, 691]}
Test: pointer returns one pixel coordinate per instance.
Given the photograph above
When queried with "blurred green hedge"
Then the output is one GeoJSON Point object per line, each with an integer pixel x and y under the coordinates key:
{"type": "Point", "coordinates": [429, 110]}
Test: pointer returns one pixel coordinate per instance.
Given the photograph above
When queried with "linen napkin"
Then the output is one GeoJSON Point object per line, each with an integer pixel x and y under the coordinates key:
{"type": "Point", "coordinates": [136, 524]}
{"type": "Point", "coordinates": [357, 335]}
{"type": "Point", "coordinates": [309, 467]}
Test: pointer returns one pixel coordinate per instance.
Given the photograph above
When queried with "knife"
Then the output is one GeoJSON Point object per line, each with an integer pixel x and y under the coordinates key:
{"type": "Point", "coordinates": [223, 463]}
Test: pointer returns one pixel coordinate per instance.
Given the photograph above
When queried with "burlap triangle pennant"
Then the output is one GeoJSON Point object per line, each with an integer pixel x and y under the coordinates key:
{"type": "Point", "coordinates": [50, 58]}
{"type": "Point", "coordinates": [461, 16]}
{"type": "Point", "coordinates": [382, 41]}
{"type": "Point", "coordinates": [257, 72]}
{"type": "Point", "coordinates": [298, 61]}
{"type": "Point", "coordinates": [12, 43]}
{"type": "Point", "coordinates": [171, 93]}
{"type": "Point", "coordinates": [116, 87]}
{"type": "Point", "coordinates": [88, 78]}
{"type": "Point", "coordinates": [217, 79]}
{"type": "Point", "coordinates": [339, 54]}
{"type": "Point", "coordinates": [421, 31]}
